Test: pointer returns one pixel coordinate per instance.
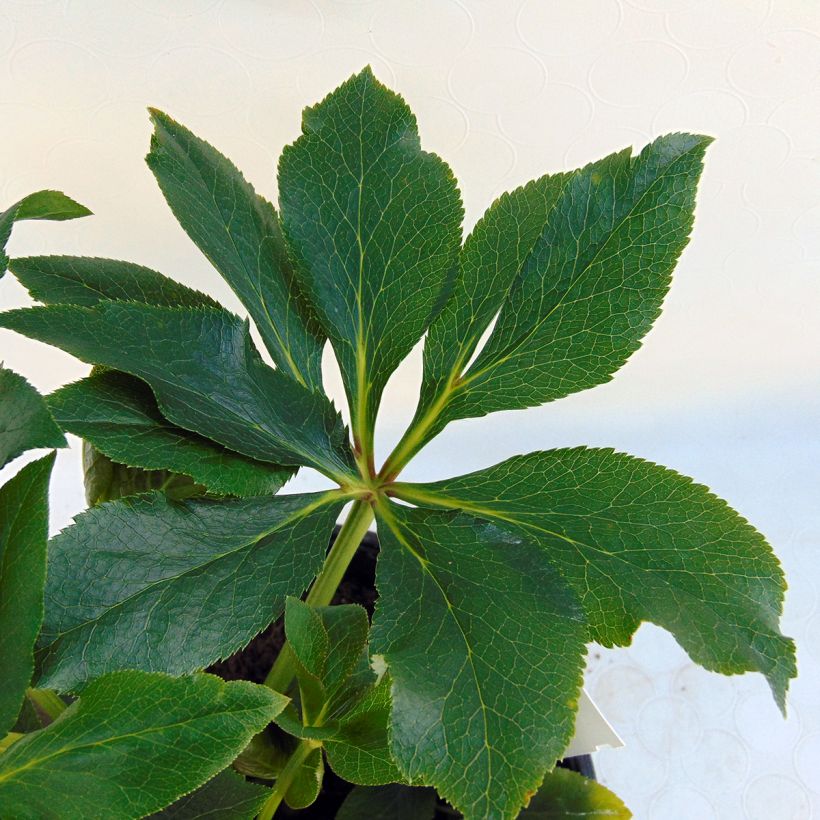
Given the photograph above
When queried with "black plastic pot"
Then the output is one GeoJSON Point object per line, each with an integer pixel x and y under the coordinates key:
{"type": "Point", "coordinates": [252, 663]}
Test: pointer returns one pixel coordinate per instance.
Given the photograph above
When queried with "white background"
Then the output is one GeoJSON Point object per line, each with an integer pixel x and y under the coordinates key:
{"type": "Point", "coordinates": [725, 388]}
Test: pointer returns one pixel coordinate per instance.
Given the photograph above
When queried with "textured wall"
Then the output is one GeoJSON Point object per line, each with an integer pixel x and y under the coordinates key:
{"type": "Point", "coordinates": [725, 388]}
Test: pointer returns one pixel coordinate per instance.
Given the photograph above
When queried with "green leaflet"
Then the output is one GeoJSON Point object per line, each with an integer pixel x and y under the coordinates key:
{"type": "Point", "coordinates": [51, 205]}
{"type": "Point", "coordinates": [578, 264]}
{"type": "Point", "coordinates": [187, 582]}
{"type": "Point", "coordinates": [307, 781]}
{"type": "Point", "coordinates": [393, 802]}
{"type": "Point", "coordinates": [485, 647]}
{"type": "Point", "coordinates": [641, 542]}
{"type": "Point", "coordinates": [342, 703]}
{"type": "Point", "coordinates": [565, 794]}
{"type": "Point", "coordinates": [25, 423]}
{"type": "Point", "coordinates": [206, 375]}
{"type": "Point", "coordinates": [374, 225]}
{"type": "Point", "coordinates": [239, 232]}
{"type": "Point", "coordinates": [87, 281]}
{"type": "Point", "coordinates": [359, 748]}
{"type": "Point", "coordinates": [118, 414]}
{"type": "Point", "coordinates": [132, 744]}
{"type": "Point", "coordinates": [228, 796]}
{"type": "Point", "coordinates": [23, 537]}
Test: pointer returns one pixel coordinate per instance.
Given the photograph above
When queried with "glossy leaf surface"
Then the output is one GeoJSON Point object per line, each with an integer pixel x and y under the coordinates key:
{"type": "Point", "coordinates": [205, 373]}
{"type": "Point", "coordinates": [239, 232]}
{"type": "Point", "coordinates": [187, 582]}
{"type": "Point", "coordinates": [150, 736]}
{"type": "Point", "coordinates": [485, 647]}
{"type": "Point", "coordinates": [25, 421]}
{"type": "Point", "coordinates": [566, 795]}
{"type": "Point", "coordinates": [228, 796]}
{"type": "Point", "coordinates": [642, 542]}
{"type": "Point", "coordinates": [23, 537]}
{"type": "Point", "coordinates": [118, 414]}
{"type": "Point", "coordinates": [374, 225]}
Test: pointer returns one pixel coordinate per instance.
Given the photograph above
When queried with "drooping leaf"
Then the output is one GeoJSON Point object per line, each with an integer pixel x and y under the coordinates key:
{"type": "Point", "coordinates": [485, 646]}
{"type": "Point", "coordinates": [239, 232]}
{"type": "Point", "coordinates": [578, 264]}
{"type": "Point", "coordinates": [106, 480]}
{"type": "Point", "coordinates": [228, 796]}
{"type": "Point", "coordinates": [565, 794]}
{"type": "Point", "coordinates": [118, 414]}
{"type": "Point", "coordinates": [392, 802]}
{"type": "Point", "coordinates": [87, 281]}
{"type": "Point", "coordinates": [25, 423]}
{"type": "Point", "coordinates": [374, 225]}
{"type": "Point", "coordinates": [51, 205]}
{"type": "Point", "coordinates": [640, 542]}
{"type": "Point", "coordinates": [307, 782]}
{"type": "Point", "coordinates": [186, 582]}
{"type": "Point", "coordinates": [23, 537]}
{"type": "Point", "coordinates": [206, 375]}
{"type": "Point", "coordinates": [132, 744]}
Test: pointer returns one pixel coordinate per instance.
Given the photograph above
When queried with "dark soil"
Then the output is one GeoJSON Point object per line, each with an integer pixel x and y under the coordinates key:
{"type": "Point", "coordinates": [255, 660]}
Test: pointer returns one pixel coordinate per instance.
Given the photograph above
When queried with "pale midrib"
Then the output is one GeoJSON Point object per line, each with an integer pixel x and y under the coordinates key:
{"type": "Point", "coordinates": [329, 497]}
{"type": "Point", "coordinates": [37, 761]}
{"type": "Point", "coordinates": [394, 527]}
{"type": "Point", "coordinates": [514, 348]}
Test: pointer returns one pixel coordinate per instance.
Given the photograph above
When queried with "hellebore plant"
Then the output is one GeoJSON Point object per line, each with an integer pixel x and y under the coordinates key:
{"type": "Point", "coordinates": [490, 584]}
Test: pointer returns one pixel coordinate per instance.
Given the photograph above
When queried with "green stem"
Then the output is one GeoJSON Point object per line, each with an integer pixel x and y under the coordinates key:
{"type": "Point", "coordinates": [286, 778]}
{"type": "Point", "coordinates": [46, 701]}
{"type": "Point", "coordinates": [11, 737]}
{"type": "Point", "coordinates": [326, 583]}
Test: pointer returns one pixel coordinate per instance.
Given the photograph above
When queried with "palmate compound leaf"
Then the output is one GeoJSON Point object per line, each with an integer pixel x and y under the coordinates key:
{"type": "Point", "coordinates": [132, 744]}
{"type": "Point", "coordinates": [25, 421]}
{"type": "Point", "coordinates": [186, 582]}
{"type": "Point", "coordinates": [239, 232]}
{"type": "Point", "coordinates": [374, 226]}
{"type": "Point", "coordinates": [206, 375]}
{"type": "Point", "coordinates": [485, 646]}
{"type": "Point", "coordinates": [118, 415]}
{"type": "Point", "coordinates": [639, 542]}
{"type": "Point", "coordinates": [566, 795]}
{"type": "Point", "coordinates": [578, 265]}
{"type": "Point", "coordinates": [23, 537]}
{"type": "Point", "coordinates": [52, 205]}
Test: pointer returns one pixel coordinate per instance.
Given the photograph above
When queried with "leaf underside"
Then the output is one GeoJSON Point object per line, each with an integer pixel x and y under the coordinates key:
{"type": "Point", "coordinates": [565, 794]}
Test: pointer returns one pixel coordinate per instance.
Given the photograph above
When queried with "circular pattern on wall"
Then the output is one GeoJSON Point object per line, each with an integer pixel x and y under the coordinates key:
{"type": "Point", "coordinates": [404, 32]}
{"type": "Point", "coordinates": [561, 28]}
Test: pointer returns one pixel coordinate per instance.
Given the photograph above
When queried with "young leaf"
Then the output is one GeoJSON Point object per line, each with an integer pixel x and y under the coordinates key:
{"type": "Point", "coordinates": [25, 423]}
{"type": "Point", "coordinates": [374, 225]}
{"type": "Point", "coordinates": [186, 582]}
{"type": "Point", "coordinates": [393, 802]}
{"type": "Point", "coordinates": [359, 748]}
{"type": "Point", "coordinates": [307, 781]}
{"type": "Point", "coordinates": [239, 232]}
{"type": "Point", "coordinates": [86, 281]}
{"type": "Point", "coordinates": [581, 262]}
{"type": "Point", "coordinates": [206, 375]}
{"type": "Point", "coordinates": [51, 205]}
{"type": "Point", "coordinates": [132, 744]}
{"type": "Point", "coordinates": [565, 794]}
{"type": "Point", "coordinates": [118, 414]}
{"type": "Point", "coordinates": [228, 796]}
{"type": "Point", "coordinates": [485, 647]}
{"type": "Point", "coordinates": [641, 542]}
{"type": "Point", "coordinates": [23, 536]}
